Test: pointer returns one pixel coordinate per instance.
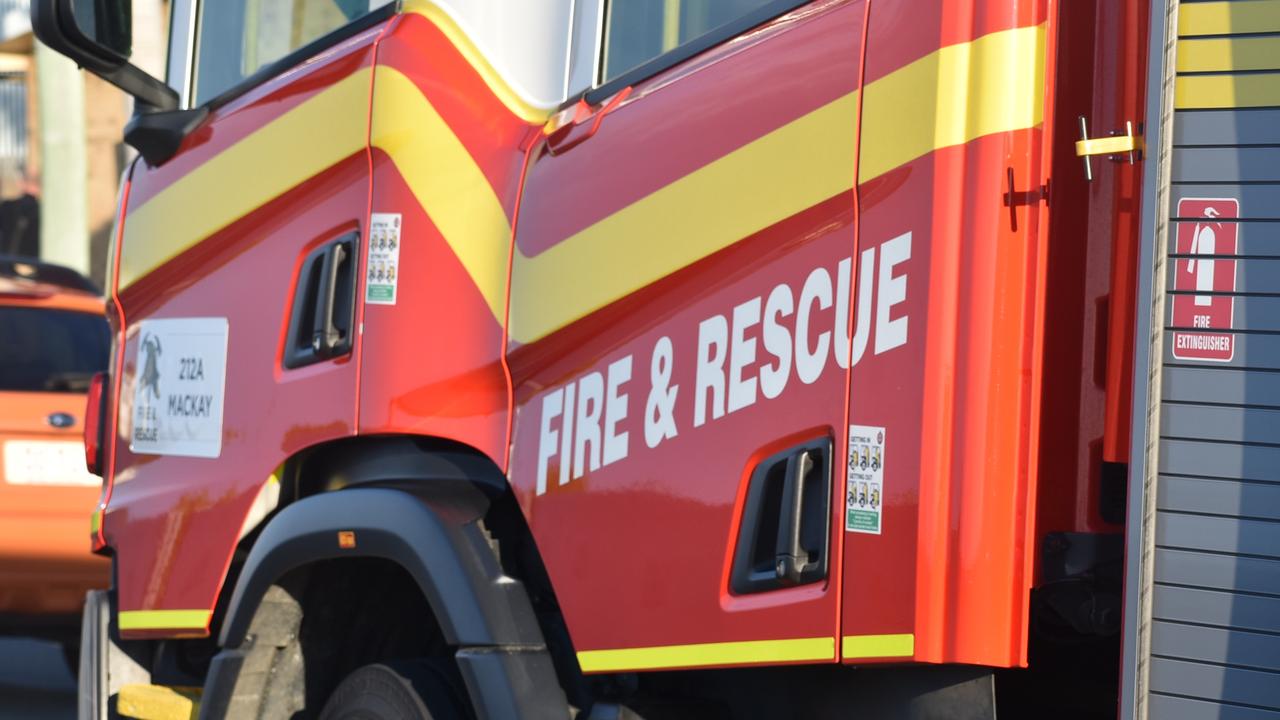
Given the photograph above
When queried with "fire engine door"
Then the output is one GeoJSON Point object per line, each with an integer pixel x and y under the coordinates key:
{"type": "Point", "coordinates": [679, 345]}
{"type": "Point", "coordinates": [254, 228]}
{"type": "Point", "coordinates": [941, 461]}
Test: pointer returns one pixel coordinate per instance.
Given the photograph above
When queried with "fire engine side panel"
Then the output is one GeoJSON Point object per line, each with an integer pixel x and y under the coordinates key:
{"type": "Point", "coordinates": [447, 159]}
{"type": "Point", "coordinates": [1088, 347]}
{"type": "Point", "coordinates": [1214, 639]}
{"type": "Point", "coordinates": [944, 577]}
{"type": "Point", "coordinates": [710, 217]}
{"type": "Point", "coordinates": [220, 231]}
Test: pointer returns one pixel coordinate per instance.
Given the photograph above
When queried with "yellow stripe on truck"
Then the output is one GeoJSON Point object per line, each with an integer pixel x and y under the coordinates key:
{"type": "Point", "coordinates": [507, 95]}
{"type": "Point", "coordinates": [238, 181]}
{"type": "Point", "coordinates": [751, 652]}
{"type": "Point", "coordinates": [446, 181]}
{"type": "Point", "coordinates": [764, 182]}
{"type": "Point", "coordinates": [164, 619]}
{"type": "Point", "coordinates": [869, 647]}
{"type": "Point", "coordinates": [958, 93]}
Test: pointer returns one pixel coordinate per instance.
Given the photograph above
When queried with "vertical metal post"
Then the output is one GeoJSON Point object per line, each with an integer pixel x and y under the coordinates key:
{"type": "Point", "coordinates": [1147, 366]}
{"type": "Point", "coordinates": [64, 203]}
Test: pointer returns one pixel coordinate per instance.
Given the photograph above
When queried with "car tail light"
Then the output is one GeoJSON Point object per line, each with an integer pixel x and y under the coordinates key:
{"type": "Point", "coordinates": [95, 412]}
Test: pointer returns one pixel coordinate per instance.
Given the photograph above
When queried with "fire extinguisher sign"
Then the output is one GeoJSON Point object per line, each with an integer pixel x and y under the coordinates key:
{"type": "Point", "coordinates": [1204, 279]}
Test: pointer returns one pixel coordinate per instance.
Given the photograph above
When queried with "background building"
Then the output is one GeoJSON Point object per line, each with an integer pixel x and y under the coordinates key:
{"type": "Point", "coordinates": [60, 134]}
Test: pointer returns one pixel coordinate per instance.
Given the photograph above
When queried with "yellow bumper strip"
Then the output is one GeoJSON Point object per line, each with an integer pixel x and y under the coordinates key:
{"type": "Point", "coordinates": [748, 652]}
{"type": "Point", "coordinates": [157, 702]}
{"type": "Point", "coordinates": [1228, 18]}
{"type": "Point", "coordinates": [860, 647]}
{"type": "Point", "coordinates": [164, 619]}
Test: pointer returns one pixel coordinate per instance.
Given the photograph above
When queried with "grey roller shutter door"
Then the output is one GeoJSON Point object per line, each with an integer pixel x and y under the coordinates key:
{"type": "Point", "coordinates": [1214, 613]}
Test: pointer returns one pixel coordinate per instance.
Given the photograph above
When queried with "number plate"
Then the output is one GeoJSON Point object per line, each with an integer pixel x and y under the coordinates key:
{"type": "Point", "coordinates": [46, 462]}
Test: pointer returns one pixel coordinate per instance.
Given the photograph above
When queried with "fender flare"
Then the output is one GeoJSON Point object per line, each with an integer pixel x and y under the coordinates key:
{"type": "Point", "coordinates": [438, 542]}
{"type": "Point", "coordinates": [420, 509]}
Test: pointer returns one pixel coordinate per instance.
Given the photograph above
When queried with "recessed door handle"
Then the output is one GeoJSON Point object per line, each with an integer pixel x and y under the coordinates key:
{"type": "Point", "coordinates": [327, 336]}
{"type": "Point", "coordinates": [792, 559]}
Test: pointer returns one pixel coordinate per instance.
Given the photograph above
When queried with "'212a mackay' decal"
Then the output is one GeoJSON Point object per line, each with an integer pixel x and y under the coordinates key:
{"type": "Point", "coordinates": [180, 379]}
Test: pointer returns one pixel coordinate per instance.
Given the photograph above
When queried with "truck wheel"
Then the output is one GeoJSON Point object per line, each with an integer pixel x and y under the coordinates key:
{"type": "Point", "coordinates": [415, 690]}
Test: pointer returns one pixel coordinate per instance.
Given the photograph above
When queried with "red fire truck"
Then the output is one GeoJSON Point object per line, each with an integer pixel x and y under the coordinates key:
{"type": "Point", "coordinates": [748, 358]}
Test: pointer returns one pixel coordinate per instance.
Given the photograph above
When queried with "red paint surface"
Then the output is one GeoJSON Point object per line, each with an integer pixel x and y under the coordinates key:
{"type": "Point", "coordinates": [652, 534]}
{"type": "Point", "coordinates": [994, 284]}
{"type": "Point", "coordinates": [434, 361]}
{"type": "Point", "coordinates": [1120, 90]}
{"type": "Point", "coordinates": [1097, 67]}
{"type": "Point", "coordinates": [173, 521]}
{"type": "Point", "coordinates": [735, 73]}
{"type": "Point", "coordinates": [908, 31]}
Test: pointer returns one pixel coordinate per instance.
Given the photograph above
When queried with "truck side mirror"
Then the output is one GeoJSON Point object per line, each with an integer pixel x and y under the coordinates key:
{"type": "Point", "coordinates": [105, 25]}
{"type": "Point", "coordinates": [98, 36]}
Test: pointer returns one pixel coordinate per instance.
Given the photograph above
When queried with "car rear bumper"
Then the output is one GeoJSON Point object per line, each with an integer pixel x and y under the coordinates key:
{"type": "Point", "coordinates": [46, 566]}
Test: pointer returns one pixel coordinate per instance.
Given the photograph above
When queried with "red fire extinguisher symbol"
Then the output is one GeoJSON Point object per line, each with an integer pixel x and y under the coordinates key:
{"type": "Point", "coordinates": [1205, 279]}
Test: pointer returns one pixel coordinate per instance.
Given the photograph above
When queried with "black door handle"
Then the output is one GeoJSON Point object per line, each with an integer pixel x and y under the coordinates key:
{"type": "Point", "coordinates": [322, 317]}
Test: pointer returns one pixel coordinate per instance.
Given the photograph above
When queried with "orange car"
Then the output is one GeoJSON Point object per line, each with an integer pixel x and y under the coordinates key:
{"type": "Point", "coordinates": [53, 339]}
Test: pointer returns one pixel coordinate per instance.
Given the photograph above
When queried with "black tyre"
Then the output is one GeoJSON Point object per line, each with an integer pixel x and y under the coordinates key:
{"type": "Point", "coordinates": [416, 690]}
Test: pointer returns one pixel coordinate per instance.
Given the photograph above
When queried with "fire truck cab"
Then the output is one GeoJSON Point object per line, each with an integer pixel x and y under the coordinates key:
{"type": "Point", "coordinates": [756, 358]}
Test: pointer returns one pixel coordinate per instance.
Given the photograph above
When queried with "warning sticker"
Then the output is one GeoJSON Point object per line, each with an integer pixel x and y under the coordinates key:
{"type": "Point", "coordinates": [1204, 280]}
{"type": "Point", "coordinates": [864, 490]}
{"type": "Point", "coordinates": [384, 259]}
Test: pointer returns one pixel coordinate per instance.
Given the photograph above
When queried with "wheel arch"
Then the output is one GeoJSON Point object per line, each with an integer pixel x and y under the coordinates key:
{"type": "Point", "coordinates": [421, 504]}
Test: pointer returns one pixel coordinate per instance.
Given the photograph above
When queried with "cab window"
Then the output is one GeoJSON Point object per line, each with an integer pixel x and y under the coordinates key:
{"type": "Point", "coordinates": [236, 38]}
{"type": "Point", "coordinates": [637, 31]}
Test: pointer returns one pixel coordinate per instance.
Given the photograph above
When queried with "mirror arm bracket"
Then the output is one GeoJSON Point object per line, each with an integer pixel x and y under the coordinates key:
{"type": "Point", "coordinates": [151, 94]}
{"type": "Point", "coordinates": [157, 135]}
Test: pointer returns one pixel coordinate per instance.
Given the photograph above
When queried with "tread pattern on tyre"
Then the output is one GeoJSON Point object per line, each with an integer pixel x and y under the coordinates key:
{"type": "Point", "coordinates": [399, 691]}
